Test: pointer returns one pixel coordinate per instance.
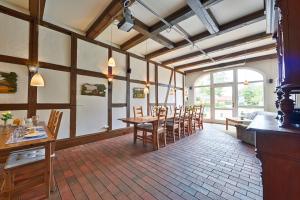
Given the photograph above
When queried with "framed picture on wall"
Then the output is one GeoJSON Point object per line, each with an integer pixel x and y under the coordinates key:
{"type": "Point", "coordinates": [8, 82]}
{"type": "Point", "coordinates": [138, 93]}
{"type": "Point", "coordinates": [93, 90]}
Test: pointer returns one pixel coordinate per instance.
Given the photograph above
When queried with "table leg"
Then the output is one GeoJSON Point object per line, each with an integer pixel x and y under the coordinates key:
{"type": "Point", "coordinates": [48, 171]}
{"type": "Point", "coordinates": [226, 124]}
{"type": "Point", "coordinates": [134, 133]}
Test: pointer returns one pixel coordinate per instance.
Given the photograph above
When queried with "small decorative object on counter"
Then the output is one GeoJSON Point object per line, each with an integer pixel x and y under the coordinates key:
{"type": "Point", "coordinates": [6, 116]}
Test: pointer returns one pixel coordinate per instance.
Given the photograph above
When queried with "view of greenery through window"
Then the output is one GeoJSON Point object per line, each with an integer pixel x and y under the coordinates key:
{"type": "Point", "coordinates": [249, 86]}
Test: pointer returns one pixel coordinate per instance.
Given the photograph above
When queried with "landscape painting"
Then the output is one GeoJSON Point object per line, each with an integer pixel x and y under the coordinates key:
{"type": "Point", "coordinates": [138, 93]}
{"type": "Point", "coordinates": [93, 90]}
{"type": "Point", "coordinates": [8, 82]}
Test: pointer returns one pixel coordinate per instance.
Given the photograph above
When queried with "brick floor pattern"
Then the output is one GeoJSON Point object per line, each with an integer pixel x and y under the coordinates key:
{"type": "Point", "coordinates": [206, 165]}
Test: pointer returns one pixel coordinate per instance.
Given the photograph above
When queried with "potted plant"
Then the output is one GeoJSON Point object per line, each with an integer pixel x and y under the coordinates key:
{"type": "Point", "coordinates": [6, 116]}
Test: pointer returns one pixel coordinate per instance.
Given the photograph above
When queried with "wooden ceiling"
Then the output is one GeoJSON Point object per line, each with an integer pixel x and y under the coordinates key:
{"type": "Point", "coordinates": [226, 30]}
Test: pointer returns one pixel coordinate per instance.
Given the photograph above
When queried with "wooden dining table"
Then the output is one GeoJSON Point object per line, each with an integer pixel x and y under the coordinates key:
{"type": "Point", "coordinates": [140, 120]}
{"type": "Point", "coordinates": [6, 149]}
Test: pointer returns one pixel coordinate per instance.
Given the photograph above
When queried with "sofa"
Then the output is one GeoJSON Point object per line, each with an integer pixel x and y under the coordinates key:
{"type": "Point", "coordinates": [243, 134]}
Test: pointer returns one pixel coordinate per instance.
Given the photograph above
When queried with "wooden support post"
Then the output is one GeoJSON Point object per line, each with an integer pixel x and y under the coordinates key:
{"type": "Point", "coordinates": [175, 88]}
{"type": "Point", "coordinates": [148, 95]}
{"type": "Point", "coordinates": [109, 95]}
{"type": "Point", "coordinates": [156, 85]}
{"type": "Point", "coordinates": [33, 60]}
{"type": "Point", "coordinates": [73, 86]}
{"type": "Point", "coordinates": [128, 86]}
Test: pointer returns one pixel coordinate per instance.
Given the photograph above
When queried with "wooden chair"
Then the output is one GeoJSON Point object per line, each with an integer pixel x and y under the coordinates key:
{"type": "Point", "coordinates": [173, 126]}
{"type": "Point", "coordinates": [192, 119]}
{"type": "Point", "coordinates": [138, 112]}
{"type": "Point", "coordinates": [25, 169]}
{"type": "Point", "coordinates": [51, 119]}
{"type": "Point", "coordinates": [198, 120]}
{"type": "Point", "coordinates": [154, 111]}
{"type": "Point", "coordinates": [185, 122]}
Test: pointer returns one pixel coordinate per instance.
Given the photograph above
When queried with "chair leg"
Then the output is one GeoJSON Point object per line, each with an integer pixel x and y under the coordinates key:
{"type": "Point", "coordinates": [144, 137]}
{"type": "Point", "coordinates": [173, 133]}
{"type": "Point", "coordinates": [165, 138]}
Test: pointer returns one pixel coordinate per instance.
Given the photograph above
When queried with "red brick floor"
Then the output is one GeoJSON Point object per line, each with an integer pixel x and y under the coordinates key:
{"type": "Point", "coordinates": [206, 165]}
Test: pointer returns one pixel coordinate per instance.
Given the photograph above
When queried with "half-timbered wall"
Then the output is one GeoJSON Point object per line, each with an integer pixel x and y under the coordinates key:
{"type": "Point", "coordinates": [68, 60]}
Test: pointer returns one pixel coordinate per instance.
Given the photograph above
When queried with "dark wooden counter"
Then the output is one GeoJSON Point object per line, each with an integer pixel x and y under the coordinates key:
{"type": "Point", "coordinates": [279, 152]}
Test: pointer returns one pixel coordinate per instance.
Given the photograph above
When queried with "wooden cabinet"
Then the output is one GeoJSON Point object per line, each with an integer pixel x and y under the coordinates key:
{"type": "Point", "coordinates": [279, 152]}
{"type": "Point", "coordinates": [288, 50]}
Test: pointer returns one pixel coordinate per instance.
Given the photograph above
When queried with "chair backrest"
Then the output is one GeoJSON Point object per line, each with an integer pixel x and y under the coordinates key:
{"type": "Point", "coordinates": [56, 123]}
{"type": "Point", "coordinates": [50, 121]}
{"type": "Point", "coordinates": [177, 115]}
{"type": "Point", "coordinates": [162, 116]}
{"type": "Point", "coordinates": [198, 110]}
{"type": "Point", "coordinates": [138, 111]}
{"type": "Point", "coordinates": [186, 112]}
{"type": "Point", "coordinates": [154, 111]}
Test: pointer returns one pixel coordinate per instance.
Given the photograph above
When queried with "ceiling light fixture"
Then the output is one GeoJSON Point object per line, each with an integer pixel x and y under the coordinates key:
{"type": "Point", "coordinates": [37, 79]}
{"type": "Point", "coordinates": [111, 60]}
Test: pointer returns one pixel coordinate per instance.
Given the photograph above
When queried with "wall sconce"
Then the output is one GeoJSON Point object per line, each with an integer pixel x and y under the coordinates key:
{"type": "Point", "coordinates": [37, 80]}
{"type": "Point", "coordinates": [146, 90]}
{"type": "Point", "coordinates": [110, 79]}
{"type": "Point", "coordinates": [172, 91]}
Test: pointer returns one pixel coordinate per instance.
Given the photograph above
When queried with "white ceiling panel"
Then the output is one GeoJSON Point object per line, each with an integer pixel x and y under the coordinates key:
{"type": "Point", "coordinates": [76, 14]}
{"type": "Point", "coordinates": [229, 10]}
{"type": "Point", "coordinates": [118, 36]}
{"type": "Point", "coordinates": [19, 5]}
{"type": "Point", "coordinates": [196, 28]}
{"type": "Point", "coordinates": [163, 8]}
{"type": "Point", "coordinates": [141, 48]}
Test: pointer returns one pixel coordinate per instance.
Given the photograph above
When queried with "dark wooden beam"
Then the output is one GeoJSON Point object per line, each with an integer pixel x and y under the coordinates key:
{"type": "Point", "coordinates": [174, 18]}
{"type": "Point", "coordinates": [73, 86]}
{"type": "Point", "coordinates": [231, 26]}
{"type": "Point", "coordinates": [204, 15]}
{"type": "Point", "coordinates": [105, 19]}
{"type": "Point", "coordinates": [37, 7]}
{"type": "Point", "coordinates": [249, 60]}
{"type": "Point", "coordinates": [229, 56]}
{"type": "Point", "coordinates": [228, 45]}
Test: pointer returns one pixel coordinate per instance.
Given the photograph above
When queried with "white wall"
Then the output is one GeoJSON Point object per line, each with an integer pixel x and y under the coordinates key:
{"type": "Point", "coordinates": [267, 67]}
{"type": "Point", "coordinates": [91, 110]}
{"type": "Point", "coordinates": [54, 47]}
{"type": "Point", "coordinates": [14, 36]}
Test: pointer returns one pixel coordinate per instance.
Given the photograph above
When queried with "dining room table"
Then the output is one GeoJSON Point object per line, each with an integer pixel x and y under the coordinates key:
{"type": "Point", "coordinates": [142, 120]}
{"type": "Point", "coordinates": [9, 142]}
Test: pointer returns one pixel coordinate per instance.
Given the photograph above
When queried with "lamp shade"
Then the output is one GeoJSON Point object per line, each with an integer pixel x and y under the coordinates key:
{"type": "Point", "coordinates": [111, 62]}
{"type": "Point", "coordinates": [37, 80]}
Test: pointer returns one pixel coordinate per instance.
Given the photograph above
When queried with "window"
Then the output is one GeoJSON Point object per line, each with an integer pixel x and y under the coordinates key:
{"type": "Point", "coordinates": [250, 91]}
{"type": "Point", "coordinates": [230, 93]}
{"type": "Point", "coordinates": [202, 94]}
{"type": "Point", "coordinates": [223, 76]}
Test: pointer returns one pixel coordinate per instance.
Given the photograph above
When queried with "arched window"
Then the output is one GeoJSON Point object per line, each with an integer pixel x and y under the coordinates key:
{"type": "Point", "coordinates": [230, 93]}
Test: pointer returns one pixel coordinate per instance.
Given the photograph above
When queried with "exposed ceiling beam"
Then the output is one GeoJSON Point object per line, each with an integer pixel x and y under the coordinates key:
{"type": "Point", "coordinates": [139, 38]}
{"type": "Point", "coordinates": [228, 45]}
{"type": "Point", "coordinates": [105, 19]}
{"type": "Point", "coordinates": [247, 52]}
{"type": "Point", "coordinates": [144, 29]}
{"type": "Point", "coordinates": [204, 15]}
{"type": "Point", "coordinates": [233, 25]}
{"type": "Point", "coordinates": [174, 18]}
{"type": "Point", "coordinates": [35, 6]}
{"type": "Point", "coordinates": [249, 60]}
